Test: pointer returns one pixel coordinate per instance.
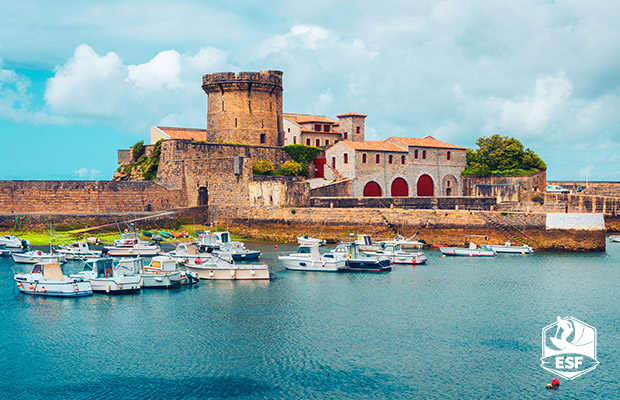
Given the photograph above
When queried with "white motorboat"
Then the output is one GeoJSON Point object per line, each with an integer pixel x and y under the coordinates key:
{"type": "Point", "coordinates": [358, 261]}
{"type": "Point", "coordinates": [132, 248]}
{"type": "Point", "coordinates": [614, 238]}
{"type": "Point", "coordinates": [406, 244]}
{"type": "Point", "coordinates": [364, 243]}
{"type": "Point", "coordinates": [110, 276]}
{"type": "Point", "coordinates": [77, 251]}
{"type": "Point", "coordinates": [130, 235]}
{"type": "Point", "coordinates": [219, 268]}
{"type": "Point", "coordinates": [187, 253]}
{"type": "Point", "coordinates": [38, 257]}
{"type": "Point", "coordinates": [308, 258]}
{"type": "Point", "coordinates": [13, 242]}
{"type": "Point", "coordinates": [220, 243]}
{"type": "Point", "coordinates": [49, 280]}
{"type": "Point", "coordinates": [162, 272]}
{"type": "Point", "coordinates": [471, 251]}
{"type": "Point", "coordinates": [509, 248]}
{"type": "Point", "coordinates": [309, 241]}
{"type": "Point", "coordinates": [397, 255]}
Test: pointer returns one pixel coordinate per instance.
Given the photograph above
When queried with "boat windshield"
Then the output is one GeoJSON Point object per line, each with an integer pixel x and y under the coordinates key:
{"type": "Point", "coordinates": [304, 250]}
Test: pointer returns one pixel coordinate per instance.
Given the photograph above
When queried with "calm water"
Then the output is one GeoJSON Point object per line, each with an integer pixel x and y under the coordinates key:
{"type": "Point", "coordinates": [454, 328]}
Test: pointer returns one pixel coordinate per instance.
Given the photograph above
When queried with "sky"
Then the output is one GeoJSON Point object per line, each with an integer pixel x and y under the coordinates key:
{"type": "Point", "coordinates": [80, 80]}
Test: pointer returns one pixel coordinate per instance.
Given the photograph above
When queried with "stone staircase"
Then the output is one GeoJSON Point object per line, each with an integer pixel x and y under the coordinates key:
{"type": "Point", "coordinates": [510, 230]}
{"type": "Point", "coordinates": [387, 222]}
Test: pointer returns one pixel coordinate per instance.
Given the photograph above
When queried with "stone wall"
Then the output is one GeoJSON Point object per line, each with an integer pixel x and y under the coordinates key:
{"type": "Point", "coordinates": [435, 227]}
{"type": "Point", "coordinates": [336, 189]}
{"type": "Point", "coordinates": [422, 203]}
{"type": "Point", "coordinates": [518, 188]}
{"type": "Point", "coordinates": [278, 191]}
{"type": "Point", "coordinates": [86, 197]}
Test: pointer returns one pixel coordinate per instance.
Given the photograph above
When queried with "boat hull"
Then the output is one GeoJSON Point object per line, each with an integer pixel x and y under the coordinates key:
{"type": "Point", "coordinates": [358, 265]}
{"type": "Point", "coordinates": [28, 258]}
{"type": "Point", "coordinates": [464, 252]}
{"type": "Point", "coordinates": [250, 255]}
{"type": "Point", "coordinates": [113, 286]}
{"type": "Point", "coordinates": [161, 280]}
{"type": "Point", "coordinates": [55, 289]}
{"type": "Point", "coordinates": [297, 264]}
{"type": "Point", "coordinates": [512, 249]}
{"type": "Point", "coordinates": [237, 272]}
{"type": "Point", "coordinates": [132, 252]}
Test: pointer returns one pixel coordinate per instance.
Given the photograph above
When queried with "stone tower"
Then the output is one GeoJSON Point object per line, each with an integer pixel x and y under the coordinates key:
{"type": "Point", "coordinates": [353, 125]}
{"type": "Point", "coordinates": [245, 107]}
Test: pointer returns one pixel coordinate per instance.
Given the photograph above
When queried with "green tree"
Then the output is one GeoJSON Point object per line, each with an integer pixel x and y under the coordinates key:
{"type": "Point", "coordinates": [138, 150]}
{"type": "Point", "coordinates": [502, 155]}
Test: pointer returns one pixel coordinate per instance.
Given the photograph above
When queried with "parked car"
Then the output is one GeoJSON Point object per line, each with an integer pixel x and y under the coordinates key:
{"type": "Point", "coordinates": [556, 189]}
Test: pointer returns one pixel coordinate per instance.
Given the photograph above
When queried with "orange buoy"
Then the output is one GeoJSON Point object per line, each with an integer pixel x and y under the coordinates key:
{"type": "Point", "coordinates": [19, 284]}
{"type": "Point", "coordinates": [549, 386]}
{"type": "Point", "coordinates": [31, 287]}
{"type": "Point", "coordinates": [42, 290]}
{"type": "Point", "coordinates": [198, 261]}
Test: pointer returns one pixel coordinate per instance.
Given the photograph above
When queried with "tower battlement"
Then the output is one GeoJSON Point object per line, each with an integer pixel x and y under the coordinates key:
{"type": "Point", "coordinates": [245, 107]}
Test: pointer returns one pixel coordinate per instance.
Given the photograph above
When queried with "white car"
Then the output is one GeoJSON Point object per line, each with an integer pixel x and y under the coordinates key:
{"type": "Point", "coordinates": [556, 189]}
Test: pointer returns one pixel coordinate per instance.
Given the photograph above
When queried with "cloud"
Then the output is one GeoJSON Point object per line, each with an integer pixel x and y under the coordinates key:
{"type": "Point", "coordinates": [85, 173]}
{"type": "Point", "coordinates": [162, 72]}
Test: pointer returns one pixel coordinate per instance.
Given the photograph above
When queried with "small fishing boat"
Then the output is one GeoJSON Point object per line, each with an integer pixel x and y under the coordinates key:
{"type": "Point", "coordinates": [13, 242]}
{"type": "Point", "coordinates": [218, 268]}
{"type": "Point", "coordinates": [509, 248]}
{"type": "Point", "coordinates": [614, 238]}
{"type": "Point", "coordinates": [310, 241]}
{"type": "Point", "coordinates": [397, 255]}
{"type": "Point", "coordinates": [187, 253]}
{"type": "Point", "coordinates": [132, 248]}
{"type": "Point", "coordinates": [38, 257]}
{"type": "Point", "coordinates": [472, 251]}
{"type": "Point", "coordinates": [308, 258]}
{"type": "Point", "coordinates": [405, 244]}
{"type": "Point", "coordinates": [107, 275]}
{"type": "Point", "coordinates": [161, 273]}
{"type": "Point", "coordinates": [77, 250]}
{"type": "Point", "coordinates": [220, 243]}
{"type": "Point", "coordinates": [49, 280]}
{"type": "Point", "coordinates": [358, 261]}
{"type": "Point", "coordinates": [364, 242]}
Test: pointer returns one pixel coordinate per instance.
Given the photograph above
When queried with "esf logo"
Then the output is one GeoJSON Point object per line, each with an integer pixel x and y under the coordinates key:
{"type": "Point", "coordinates": [569, 348]}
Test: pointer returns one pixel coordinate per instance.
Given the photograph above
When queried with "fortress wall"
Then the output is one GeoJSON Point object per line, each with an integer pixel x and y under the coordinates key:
{"type": "Point", "coordinates": [86, 197]}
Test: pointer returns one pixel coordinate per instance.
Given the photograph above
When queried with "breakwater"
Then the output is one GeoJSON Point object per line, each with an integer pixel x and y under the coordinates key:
{"type": "Point", "coordinates": [560, 232]}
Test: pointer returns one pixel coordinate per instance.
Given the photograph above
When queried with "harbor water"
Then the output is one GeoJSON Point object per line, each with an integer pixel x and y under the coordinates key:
{"type": "Point", "coordinates": [455, 328]}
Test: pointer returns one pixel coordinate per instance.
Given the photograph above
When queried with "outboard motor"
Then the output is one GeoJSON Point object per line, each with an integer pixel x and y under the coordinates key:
{"type": "Point", "coordinates": [24, 244]}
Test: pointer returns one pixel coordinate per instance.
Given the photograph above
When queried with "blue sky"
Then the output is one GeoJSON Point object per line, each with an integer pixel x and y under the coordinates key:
{"type": "Point", "coordinates": [79, 80]}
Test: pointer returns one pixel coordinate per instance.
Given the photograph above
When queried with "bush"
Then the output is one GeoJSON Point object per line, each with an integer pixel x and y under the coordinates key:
{"type": "Point", "coordinates": [290, 168]}
{"type": "Point", "coordinates": [137, 151]}
{"type": "Point", "coordinates": [151, 164]}
{"type": "Point", "coordinates": [538, 199]}
{"type": "Point", "coordinates": [301, 153]}
{"type": "Point", "coordinates": [262, 167]}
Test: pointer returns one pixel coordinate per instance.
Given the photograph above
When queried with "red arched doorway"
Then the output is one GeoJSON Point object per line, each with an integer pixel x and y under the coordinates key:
{"type": "Point", "coordinates": [425, 186]}
{"type": "Point", "coordinates": [399, 188]}
{"type": "Point", "coordinates": [372, 189]}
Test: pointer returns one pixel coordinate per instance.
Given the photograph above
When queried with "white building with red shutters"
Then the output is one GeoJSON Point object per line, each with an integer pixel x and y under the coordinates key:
{"type": "Point", "coordinates": [322, 132]}
{"type": "Point", "coordinates": [398, 166]}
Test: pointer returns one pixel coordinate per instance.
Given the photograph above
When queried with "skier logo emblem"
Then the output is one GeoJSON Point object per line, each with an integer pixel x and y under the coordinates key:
{"type": "Point", "coordinates": [569, 348]}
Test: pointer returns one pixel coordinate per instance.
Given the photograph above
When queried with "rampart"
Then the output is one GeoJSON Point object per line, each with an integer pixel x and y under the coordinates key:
{"type": "Point", "coordinates": [422, 203]}
{"type": "Point", "coordinates": [86, 197]}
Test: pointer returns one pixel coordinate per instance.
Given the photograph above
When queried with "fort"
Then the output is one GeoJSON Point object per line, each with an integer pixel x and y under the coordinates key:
{"type": "Point", "coordinates": [397, 185]}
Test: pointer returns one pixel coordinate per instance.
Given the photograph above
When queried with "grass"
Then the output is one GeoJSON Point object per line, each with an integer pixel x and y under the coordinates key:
{"type": "Point", "coordinates": [42, 238]}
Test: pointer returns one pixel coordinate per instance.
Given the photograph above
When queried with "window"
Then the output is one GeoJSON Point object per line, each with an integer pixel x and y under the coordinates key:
{"type": "Point", "coordinates": [424, 154]}
{"type": "Point", "coordinates": [294, 139]}
{"type": "Point", "coordinates": [308, 142]}
{"type": "Point", "coordinates": [289, 130]}
{"type": "Point", "coordinates": [317, 127]}
{"type": "Point", "coordinates": [448, 156]}
{"type": "Point", "coordinates": [318, 142]}
{"type": "Point", "coordinates": [415, 154]}
{"type": "Point", "coordinates": [222, 105]}
{"type": "Point", "coordinates": [357, 129]}
{"type": "Point", "coordinates": [235, 122]}
{"type": "Point", "coordinates": [363, 158]}
{"type": "Point", "coordinates": [377, 158]}
{"type": "Point", "coordinates": [345, 136]}
{"type": "Point", "coordinates": [390, 159]}
{"type": "Point", "coordinates": [326, 142]}
{"type": "Point", "coordinates": [402, 160]}
{"type": "Point", "coordinates": [346, 158]}
{"type": "Point", "coordinates": [334, 162]}
{"type": "Point", "coordinates": [263, 138]}
{"type": "Point", "coordinates": [325, 128]}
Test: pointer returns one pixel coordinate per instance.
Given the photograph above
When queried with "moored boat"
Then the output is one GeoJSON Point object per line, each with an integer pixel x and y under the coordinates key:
{"type": "Point", "coordinates": [308, 258]}
{"type": "Point", "coordinates": [309, 241]}
{"type": "Point", "coordinates": [396, 255]}
{"type": "Point", "coordinates": [471, 251]}
{"type": "Point", "coordinates": [77, 251]}
{"type": "Point", "coordinates": [38, 257]}
{"type": "Point", "coordinates": [49, 280]}
{"type": "Point", "coordinates": [161, 273]}
{"type": "Point", "coordinates": [614, 238]}
{"type": "Point", "coordinates": [13, 242]}
{"type": "Point", "coordinates": [360, 262]}
{"type": "Point", "coordinates": [132, 248]}
{"type": "Point", "coordinates": [508, 248]}
{"type": "Point", "coordinates": [219, 268]}
{"type": "Point", "coordinates": [107, 275]}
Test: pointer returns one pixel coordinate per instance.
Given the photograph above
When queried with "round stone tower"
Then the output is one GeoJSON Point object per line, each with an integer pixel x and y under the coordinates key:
{"type": "Point", "coordinates": [245, 107]}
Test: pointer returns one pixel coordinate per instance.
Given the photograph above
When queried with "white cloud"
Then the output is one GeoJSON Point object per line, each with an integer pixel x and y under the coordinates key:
{"type": "Point", "coordinates": [161, 72]}
{"type": "Point", "coordinates": [85, 173]}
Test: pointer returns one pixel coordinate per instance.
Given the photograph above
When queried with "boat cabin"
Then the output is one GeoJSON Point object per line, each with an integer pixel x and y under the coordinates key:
{"type": "Point", "coordinates": [101, 267]}
{"type": "Point", "coordinates": [162, 264]}
{"type": "Point", "coordinates": [313, 251]}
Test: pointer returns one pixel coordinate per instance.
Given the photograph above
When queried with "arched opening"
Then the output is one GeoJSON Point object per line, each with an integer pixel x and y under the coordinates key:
{"type": "Point", "coordinates": [399, 188]}
{"type": "Point", "coordinates": [425, 186]}
{"type": "Point", "coordinates": [372, 189]}
{"type": "Point", "coordinates": [450, 186]}
{"type": "Point", "coordinates": [203, 196]}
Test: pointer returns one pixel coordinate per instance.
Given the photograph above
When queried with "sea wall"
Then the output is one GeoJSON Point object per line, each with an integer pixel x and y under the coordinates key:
{"type": "Point", "coordinates": [86, 197]}
{"type": "Point", "coordinates": [423, 203]}
{"type": "Point", "coordinates": [445, 227]}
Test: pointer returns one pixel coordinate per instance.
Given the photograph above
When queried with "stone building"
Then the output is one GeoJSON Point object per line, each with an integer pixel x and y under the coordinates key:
{"type": "Point", "coordinates": [320, 131]}
{"type": "Point", "coordinates": [398, 167]}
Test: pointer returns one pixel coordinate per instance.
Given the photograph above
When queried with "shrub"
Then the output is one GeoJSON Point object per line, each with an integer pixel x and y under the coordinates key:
{"type": "Point", "coordinates": [538, 199]}
{"type": "Point", "coordinates": [152, 163]}
{"type": "Point", "coordinates": [301, 153]}
{"type": "Point", "coordinates": [293, 211]}
{"type": "Point", "coordinates": [137, 151]}
{"type": "Point", "coordinates": [262, 167]}
{"type": "Point", "coordinates": [291, 168]}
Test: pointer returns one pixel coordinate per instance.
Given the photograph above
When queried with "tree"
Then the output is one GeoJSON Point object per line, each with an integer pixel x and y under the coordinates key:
{"type": "Point", "coordinates": [502, 155]}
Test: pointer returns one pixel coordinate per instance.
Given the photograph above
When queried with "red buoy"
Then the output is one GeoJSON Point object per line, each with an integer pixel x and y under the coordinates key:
{"type": "Point", "coordinates": [555, 382]}
{"type": "Point", "coordinates": [276, 246]}
{"type": "Point", "coordinates": [19, 284]}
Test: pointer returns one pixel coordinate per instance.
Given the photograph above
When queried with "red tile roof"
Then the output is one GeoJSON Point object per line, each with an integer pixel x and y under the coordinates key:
{"type": "Point", "coordinates": [333, 131]}
{"type": "Point", "coordinates": [184, 133]}
{"type": "Point", "coordinates": [304, 118]}
{"type": "Point", "coordinates": [427, 141]}
{"type": "Point", "coordinates": [351, 114]}
{"type": "Point", "coordinates": [373, 145]}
